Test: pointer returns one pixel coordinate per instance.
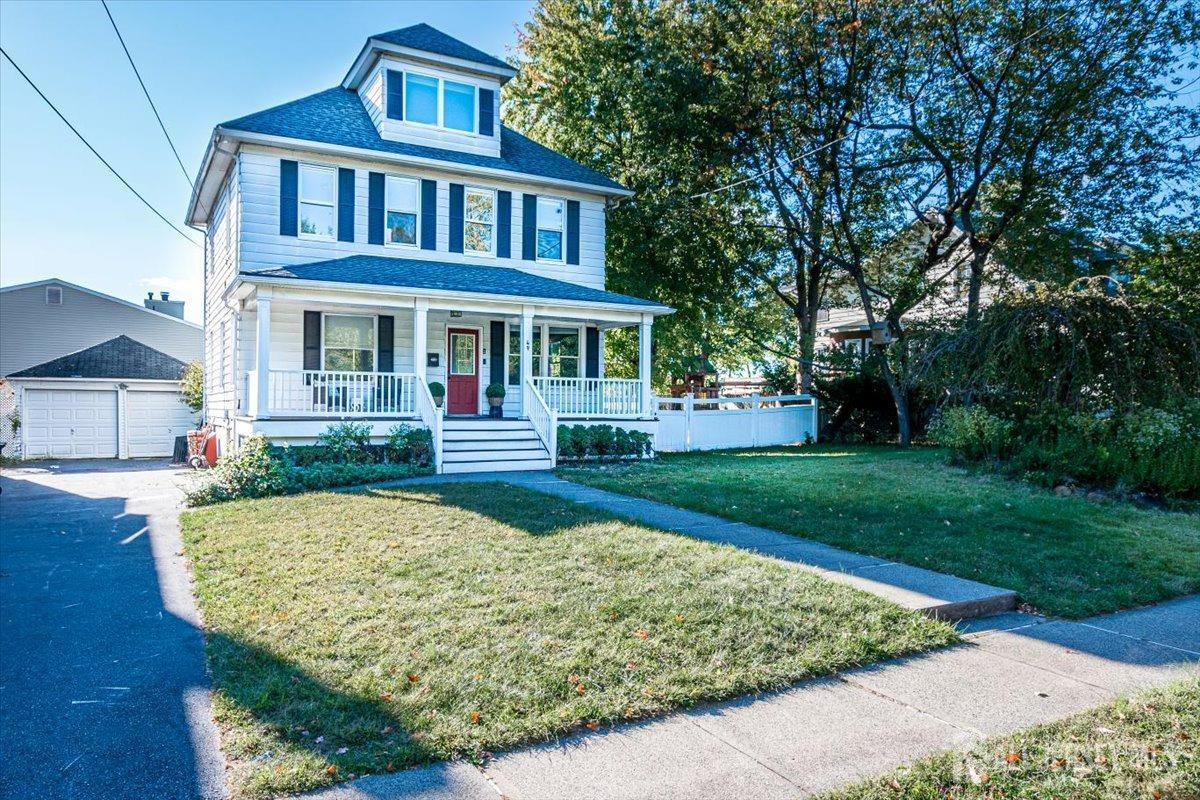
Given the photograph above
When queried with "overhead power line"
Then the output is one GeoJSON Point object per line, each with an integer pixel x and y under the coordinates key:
{"type": "Point", "coordinates": [146, 92]}
{"type": "Point", "coordinates": [88, 144]}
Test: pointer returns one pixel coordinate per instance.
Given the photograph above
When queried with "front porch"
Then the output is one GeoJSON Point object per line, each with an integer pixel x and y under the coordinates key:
{"type": "Point", "coordinates": [313, 357]}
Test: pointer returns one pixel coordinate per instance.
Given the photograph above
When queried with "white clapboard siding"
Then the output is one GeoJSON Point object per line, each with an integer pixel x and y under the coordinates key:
{"type": "Point", "coordinates": [221, 362]}
{"type": "Point", "coordinates": [262, 247]}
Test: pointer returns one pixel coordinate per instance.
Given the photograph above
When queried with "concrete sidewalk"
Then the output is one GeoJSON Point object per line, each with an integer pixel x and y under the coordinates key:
{"type": "Point", "coordinates": [1013, 671]}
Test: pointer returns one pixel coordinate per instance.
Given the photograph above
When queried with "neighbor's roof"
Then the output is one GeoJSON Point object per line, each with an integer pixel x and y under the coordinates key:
{"type": "Point", "coordinates": [412, 273]}
{"type": "Point", "coordinates": [337, 116]}
{"type": "Point", "coordinates": [121, 357]}
{"type": "Point", "coordinates": [431, 40]}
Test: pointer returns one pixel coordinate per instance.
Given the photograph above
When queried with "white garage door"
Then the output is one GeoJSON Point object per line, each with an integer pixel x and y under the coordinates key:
{"type": "Point", "coordinates": [70, 423]}
{"type": "Point", "coordinates": [154, 420]}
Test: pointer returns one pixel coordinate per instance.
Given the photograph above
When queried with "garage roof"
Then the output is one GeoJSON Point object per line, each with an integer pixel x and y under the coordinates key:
{"type": "Point", "coordinates": [121, 357]}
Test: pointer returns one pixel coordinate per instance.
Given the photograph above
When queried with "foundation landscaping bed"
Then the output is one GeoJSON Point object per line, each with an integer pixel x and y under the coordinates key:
{"type": "Point", "coordinates": [370, 631]}
{"type": "Point", "coordinates": [1070, 556]}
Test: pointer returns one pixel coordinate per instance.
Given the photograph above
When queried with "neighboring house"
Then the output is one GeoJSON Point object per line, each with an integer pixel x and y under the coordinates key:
{"type": "Point", "coordinates": [87, 375]}
{"type": "Point", "coordinates": [369, 240]}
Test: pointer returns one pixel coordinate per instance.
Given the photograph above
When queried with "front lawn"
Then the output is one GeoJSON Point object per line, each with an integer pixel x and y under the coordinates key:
{"type": "Point", "coordinates": [1144, 747]}
{"type": "Point", "coordinates": [355, 633]}
{"type": "Point", "coordinates": [1065, 555]}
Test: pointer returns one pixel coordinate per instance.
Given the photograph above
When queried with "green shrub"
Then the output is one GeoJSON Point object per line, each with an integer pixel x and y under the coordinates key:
{"type": "Point", "coordinates": [250, 473]}
{"type": "Point", "coordinates": [329, 476]}
{"type": "Point", "coordinates": [346, 442]}
{"type": "Point", "coordinates": [602, 442]}
{"type": "Point", "coordinates": [494, 390]}
{"type": "Point", "coordinates": [973, 433]}
{"type": "Point", "coordinates": [409, 445]}
{"type": "Point", "coordinates": [436, 389]}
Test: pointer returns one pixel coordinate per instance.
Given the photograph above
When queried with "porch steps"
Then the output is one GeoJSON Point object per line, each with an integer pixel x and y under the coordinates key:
{"type": "Point", "coordinates": [491, 445]}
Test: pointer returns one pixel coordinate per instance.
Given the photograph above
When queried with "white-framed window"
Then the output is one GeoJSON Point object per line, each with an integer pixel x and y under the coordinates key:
{"type": "Point", "coordinates": [318, 197]}
{"type": "Point", "coordinates": [348, 343]}
{"type": "Point", "coordinates": [54, 295]}
{"type": "Point", "coordinates": [458, 106]}
{"type": "Point", "coordinates": [514, 353]}
{"type": "Point", "coordinates": [421, 98]}
{"type": "Point", "coordinates": [479, 221]}
{"type": "Point", "coordinates": [402, 212]}
{"type": "Point", "coordinates": [563, 350]}
{"type": "Point", "coordinates": [550, 229]}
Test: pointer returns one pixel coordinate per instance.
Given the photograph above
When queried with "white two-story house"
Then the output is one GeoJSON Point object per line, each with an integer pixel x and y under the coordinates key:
{"type": "Point", "coordinates": [390, 233]}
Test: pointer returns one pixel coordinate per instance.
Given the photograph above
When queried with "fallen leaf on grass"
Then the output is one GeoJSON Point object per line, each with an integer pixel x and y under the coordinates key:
{"type": "Point", "coordinates": [593, 725]}
{"type": "Point", "coordinates": [413, 677]}
{"type": "Point", "coordinates": [475, 716]}
{"type": "Point", "coordinates": [331, 769]}
{"type": "Point", "coordinates": [386, 697]}
{"type": "Point", "coordinates": [1012, 758]}
{"type": "Point", "coordinates": [642, 634]}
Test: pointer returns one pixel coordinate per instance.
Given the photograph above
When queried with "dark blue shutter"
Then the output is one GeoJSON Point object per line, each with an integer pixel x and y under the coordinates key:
{"type": "Point", "coordinates": [486, 98]}
{"type": "Point", "coordinates": [375, 208]}
{"type": "Point", "coordinates": [592, 365]}
{"type": "Point", "coordinates": [345, 205]}
{"type": "Point", "coordinates": [387, 343]}
{"type": "Point", "coordinates": [529, 227]}
{"type": "Point", "coordinates": [312, 339]}
{"type": "Point", "coordinates": [289, 197]}
{"type": "Point", "coordinates": [456, 218]}
{"type": "Point", "coordinates": [395, 94]}
{"type": "Point", "coordinates": [428, 214]}
{"type": "Point", "coordinates": [572, 231]}
{"type": "Point", "coordinates": [504, 224]}
{"type": "Point", "coordinates": [498, 340]}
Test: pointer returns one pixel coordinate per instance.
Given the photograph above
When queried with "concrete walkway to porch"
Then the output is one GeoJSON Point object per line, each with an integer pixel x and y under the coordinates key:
{"type": "Point", "coordinates": [1012, 671]}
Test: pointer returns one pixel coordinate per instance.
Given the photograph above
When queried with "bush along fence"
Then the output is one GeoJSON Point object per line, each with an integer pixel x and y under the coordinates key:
{"type": "Point", "coordinates": [343, 456]}
{"type": "Point", "coordinates": [580, 443]}
{"type": "Point", "coordinates": [713, 423]}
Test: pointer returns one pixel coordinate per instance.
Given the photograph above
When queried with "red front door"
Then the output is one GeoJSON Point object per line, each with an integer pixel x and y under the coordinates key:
{"type": "Point", "coordinates": [462, 382]}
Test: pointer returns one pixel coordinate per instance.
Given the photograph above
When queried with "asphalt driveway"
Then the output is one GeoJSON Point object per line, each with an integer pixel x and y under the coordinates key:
{"type": "Point", "coordinates": [103, 691]}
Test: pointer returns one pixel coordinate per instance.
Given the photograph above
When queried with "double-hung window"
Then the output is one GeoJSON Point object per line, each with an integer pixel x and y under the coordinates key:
{"type": "Point", "coordinates": [563, 349]}
{"type": "Point", "coordinates": [349, 343]}
{"type": "Point", "coordinates": [458, 106]}
{"type": "Point", "coordinates": [480, 220]}
{"type": "Point", "coordinates": [549, 229]}
{"type": "Point", "coordinates": [317, 199]}
{"type": "Point", "coordinates": [514, 353]}
{"type": "Point", "coordinates": [402, 210]}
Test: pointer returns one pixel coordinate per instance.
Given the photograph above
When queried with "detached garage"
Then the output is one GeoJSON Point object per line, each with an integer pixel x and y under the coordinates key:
{"type": "Point", "coordinates": [118, 399]}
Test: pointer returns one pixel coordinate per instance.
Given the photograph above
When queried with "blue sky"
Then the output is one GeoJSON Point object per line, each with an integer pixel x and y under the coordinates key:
{"type": "Point", "coordinates": [62, 214]}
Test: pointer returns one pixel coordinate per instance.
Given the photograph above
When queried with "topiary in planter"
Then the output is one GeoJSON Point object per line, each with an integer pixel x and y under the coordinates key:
{"type": "Point", "coordinates": [438, 391]}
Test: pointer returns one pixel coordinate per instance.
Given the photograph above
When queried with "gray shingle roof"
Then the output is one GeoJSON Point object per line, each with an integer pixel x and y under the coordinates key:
{"type": "Point", "coordinates": [336, 116]}
{"type": "Point", "coordinates": [121, 357]}
{"type": "Point", "coordinates": [431, 40]}
{"type": "Point", "coordinates": [415, 273]}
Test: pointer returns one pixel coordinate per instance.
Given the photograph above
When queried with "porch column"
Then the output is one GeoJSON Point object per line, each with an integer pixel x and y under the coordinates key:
{"type": "Point", "coordinates": [526, 345]}
{"type": "Point", "coordinates": [262, 359]}
{"type": "Point", "coordinates": [644, 364]}
{"type": "Point", "coordinates": [420, 336]}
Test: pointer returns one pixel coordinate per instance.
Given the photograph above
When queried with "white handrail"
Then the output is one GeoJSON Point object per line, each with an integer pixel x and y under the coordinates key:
{"type": "Point", "coordinates": [543, 418]}
{"type": "Point", "coordinates": [431, 416]}
{"type": "Point", "coordinates": [340, 393]}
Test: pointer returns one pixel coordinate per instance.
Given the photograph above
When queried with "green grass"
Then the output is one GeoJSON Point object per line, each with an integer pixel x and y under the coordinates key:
{"type": "Point", "coordinates": [417, 624]}
{"type": "Point", "coordinates": [1145, 747]}
{"type": "Point", "coordinates": [1064, 555]}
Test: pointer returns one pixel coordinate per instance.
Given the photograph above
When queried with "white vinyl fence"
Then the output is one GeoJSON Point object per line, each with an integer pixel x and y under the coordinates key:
{"type": "Point", "coordinates": [713, 423]}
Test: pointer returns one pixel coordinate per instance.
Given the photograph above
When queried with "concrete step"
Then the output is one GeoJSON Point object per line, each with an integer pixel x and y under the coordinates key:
{"type": "Point", "coordinates": [533, 453]}
{"type": "Point", "coordinates": [526, 443]}
{"type": "Point", "coordinates": [473, 435]}
{"type": "Point", "coordinates": [495, 466]}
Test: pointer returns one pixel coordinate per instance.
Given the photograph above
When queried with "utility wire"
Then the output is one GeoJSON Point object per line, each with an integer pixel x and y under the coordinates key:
{"type": "Point", "coordinates": [146, 92]}
{"type": "Point", "coordinates": [88, 144]}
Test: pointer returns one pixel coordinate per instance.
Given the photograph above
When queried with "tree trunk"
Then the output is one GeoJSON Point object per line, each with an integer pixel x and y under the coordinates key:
{"type": "Point", "coordinates": [806, 335]}
{"type": "Point", "coordinates": [975, 285]}
{"type": "Point", "coordinates": [899, 397]}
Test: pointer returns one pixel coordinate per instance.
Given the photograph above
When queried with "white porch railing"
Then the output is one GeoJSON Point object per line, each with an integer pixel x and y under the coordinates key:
{"type": "Point", "coordinates": [328, 393]}
{"type": "Point", "coordinates": [543, 418]}
{"type": "Point", "coordinates": [593, 397]}
{"type": "Point", "coordinates": [431, 415]}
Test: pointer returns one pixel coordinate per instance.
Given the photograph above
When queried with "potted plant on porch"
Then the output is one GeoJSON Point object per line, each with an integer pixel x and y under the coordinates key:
{"type": "Point", "coordinates": [438, 391]}
{"type": "Point", "coordinates": [495, 397]}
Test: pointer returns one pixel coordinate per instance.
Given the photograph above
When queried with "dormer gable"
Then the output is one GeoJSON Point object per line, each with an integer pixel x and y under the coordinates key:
{"type": "Point", "coordinates": [423, 87]}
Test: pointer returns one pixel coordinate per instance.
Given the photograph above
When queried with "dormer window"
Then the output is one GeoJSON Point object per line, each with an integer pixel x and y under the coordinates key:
{"type": "Point", "coordinates": [317, 198]}
{"type": "Point", "coordinates": [421, 99]}
{"type": "Point", "coordinates": [459, 106]}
